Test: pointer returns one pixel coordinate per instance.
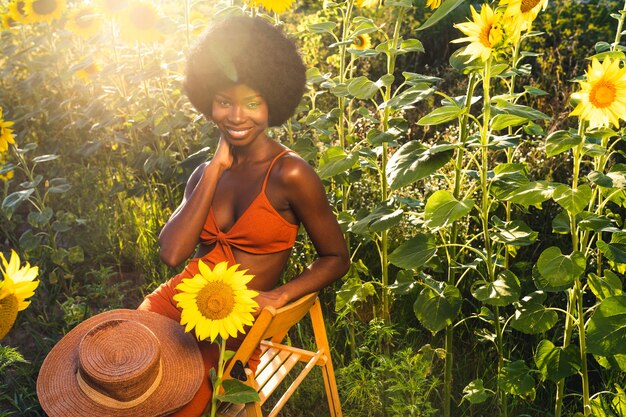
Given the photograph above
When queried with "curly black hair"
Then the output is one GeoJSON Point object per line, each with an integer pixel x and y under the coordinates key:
{"type": "Point", "coordinates": [250, 51]}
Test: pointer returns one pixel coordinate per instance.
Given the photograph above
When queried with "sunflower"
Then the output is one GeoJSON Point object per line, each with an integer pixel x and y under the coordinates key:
{"type": "Point", "coordinates": [603, 96]}
{"type": "Point", "coordinates": [89, 72]}
{"type": "Point", "coordinates": [216, 302]}
{"type": "Point", "coordinates": [276, 6]}
{"type": "Point", "coordinates": [84, 22]}
{"type": "Point", "coordinates": [8, 22]}
{"type": "Point", "coordinates": [6, 134]}
{"type": "Point", "coordinates": [362, 42]}
{"type": "Point", "coordinates": [112, 8]}
{"type": "Point", "coordinates": [44, 10]}
{"type": "Point", "coordinates": [487, 33]}
{"type": "Point", "coordinates": [18, 285]}
{"type": "Point", "coordinates": [523, 11]}
{"type": "Point", "coordinates": [139, 22]}
{"type": "Point", "coordinates": [17, 11]}
{"type": "Point", "coordinates": [433, 4]}
{"type": "Point", "coordinates": [368, 4]}
{"type": "Point", "coordinates": [6, 171]}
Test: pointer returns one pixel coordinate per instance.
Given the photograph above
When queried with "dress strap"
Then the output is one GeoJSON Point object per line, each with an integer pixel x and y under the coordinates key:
{"type": "Point", "coordinates": [267, 175]}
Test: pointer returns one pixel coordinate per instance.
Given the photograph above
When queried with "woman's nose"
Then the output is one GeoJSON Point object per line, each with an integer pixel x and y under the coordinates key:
{"type": "Point", "coordinates": [236, 114]}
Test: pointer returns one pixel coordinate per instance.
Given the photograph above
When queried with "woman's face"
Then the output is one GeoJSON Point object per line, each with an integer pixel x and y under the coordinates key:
{"type": "Point", "coordinates": [241, 114]}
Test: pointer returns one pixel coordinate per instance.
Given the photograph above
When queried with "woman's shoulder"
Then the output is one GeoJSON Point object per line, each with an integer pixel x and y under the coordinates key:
{"type": "Point", "coordinates": [294, 170]}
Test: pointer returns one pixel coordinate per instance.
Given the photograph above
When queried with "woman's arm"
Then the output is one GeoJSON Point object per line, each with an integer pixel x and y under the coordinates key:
{"type": "Point", "coordinates": [181, 233]}
{"type": "Point", "coordinates": [307, 198]}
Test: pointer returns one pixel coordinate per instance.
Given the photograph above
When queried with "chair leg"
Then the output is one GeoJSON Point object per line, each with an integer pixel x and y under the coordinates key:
{"type": "Point", "coordinates": [252, 409]}
{"type": "Point", "coordinates": [328, 372]}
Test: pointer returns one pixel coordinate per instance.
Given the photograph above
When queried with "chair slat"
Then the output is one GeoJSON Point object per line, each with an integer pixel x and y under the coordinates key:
{"type": "Point", "coordinates": [266, 358]}
{"type": "Point", "coordinates": [270, 385]}
{"type": "Point", "coordinates": [272, 366]}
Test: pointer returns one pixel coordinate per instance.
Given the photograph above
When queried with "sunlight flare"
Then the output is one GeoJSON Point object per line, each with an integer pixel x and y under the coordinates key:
{"type": "Point", "coordinates": [140, 22]}
{"type": "Point", "coordinates": [84, 22]}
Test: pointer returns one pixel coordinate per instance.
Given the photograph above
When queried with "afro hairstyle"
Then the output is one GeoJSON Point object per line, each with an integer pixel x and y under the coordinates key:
{"type": "Point", "coordinates": [250, 51]}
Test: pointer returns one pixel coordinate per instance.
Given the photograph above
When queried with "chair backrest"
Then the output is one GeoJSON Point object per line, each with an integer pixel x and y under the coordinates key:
{"type": "Point", "coordinates": [272, 324]}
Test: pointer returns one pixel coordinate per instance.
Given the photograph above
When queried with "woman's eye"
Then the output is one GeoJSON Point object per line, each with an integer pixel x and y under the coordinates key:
{"type": "Point", "coordinates": [253, 105]}
{"type": "Point", "coordinates": [223, 103]}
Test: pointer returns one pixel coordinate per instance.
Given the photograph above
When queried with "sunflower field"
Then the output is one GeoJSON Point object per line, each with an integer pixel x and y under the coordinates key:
{"type": "Point", "coordinates": [472, 150]}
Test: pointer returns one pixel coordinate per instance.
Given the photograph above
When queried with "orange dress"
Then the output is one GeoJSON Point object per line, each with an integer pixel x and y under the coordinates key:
{"type": "Point", "coordinates": [259, 230]}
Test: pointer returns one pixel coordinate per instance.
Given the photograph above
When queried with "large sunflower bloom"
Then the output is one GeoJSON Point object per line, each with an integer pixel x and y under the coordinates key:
{"type": "Point", "coordinates": [276, 6]}
{"type": "Point", "coordinates": [17, 11]}
{"type": "Point", "coordinates": [6, 134]}
{"type": "Point", "coordinates": [216, 301]}
{"type": "Point", "coordinates": [603, 96]}
{"type": "Point", "coordinates": [368, 4]}
{"type": "Point", "coordinates": [361, 42]}
{"type": "Point", "coordinates": [139, 22]}
{"type": "Point", "coordinates": [18, 285]}
{"type": "Point", "coordinates": [486, 33]}
{"type": "Point", "coordinates": [523, 11]}
{"type": "Point", "coordinates": [84, 22]}
{"type": "Point", "coordinates": [433, 4]}
{"type": "Point", "coordinates": [44, 10]}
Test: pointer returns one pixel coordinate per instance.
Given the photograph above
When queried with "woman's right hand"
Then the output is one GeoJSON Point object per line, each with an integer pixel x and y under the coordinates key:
{"type": "Point", "coordinates": [223, 157]}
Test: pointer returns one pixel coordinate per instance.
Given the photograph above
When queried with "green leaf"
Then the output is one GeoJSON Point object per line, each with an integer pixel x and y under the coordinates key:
{"type": "Point", "coordinates": [352, 291]}
{"type": "Point", "coordinates": [45, 158]}
{"type": "Point", "coordinates": [335, 161]}
{"type": "Point", "coordinates": [605, 286]}
{"type": "Point", "coordinates": [441, 115]}
{"type": "Point", "coordinates": [404, 284]}
{"type": "Point", "coordinates": [531, 316]}
{"type": "Point", "coordinates": [40, 218]}
{"type": "Point", "coordinates": [362, 88]}
{"type": "Point", "coordinates": [606, 330]}
{"type": "Point", "coordinates": [500, 105]}
{"type": "Point", "coordinates": [560, 270]}
{"type": "Point", "coordinates": [615, 252]}
{"type": "Point", "coordinates": [516, 379]}
{"type": "Point", "coordinates": [410, 45]}
{"type": "Point", "coordinates": [13, 200]}
{"type": "Point", "coordinates": [531, 194]}
{"type": "Point", "coordinates": [442, 209]}
{"type": "Point", "coordinates": [59, 185]}
{"type": "Point", "coordinates": [514, 233]}
{"type": "Point", "coordinates": [574, 201]}
{"type": "Point", "coordinates": [556, 363]}
{"type": "Point", "coordinates": [75, 255]}
{"type": "Point", "coordinates": [381, 218]}
{"type": "Point", "coordinates": [560, 223]}
{"type": "Point", "coordinates": [590, 221]}
{"type": "Point", "coordinates": [442, 11]}
{"type": "Point", "coordinates": [236, 392]}
{"type": "Point", "coordinates": [475, 392]}
{"type": "Point", "coordinates": [413, 161]}
{"type": "Point", "coordinates": [322, 27]}
{"type": "Point", "coordinates": [437, 305]}
{"type": "Point", "coordinates": [503, 291]}
{"type": "Point", "coordinates": [502, 121]}
{"type": "Point", "coordinates": [561, 141]}
{"type": "Point", "coordinates": [415, 252]}
{"type": "Point", "coordinates": [407, 98]}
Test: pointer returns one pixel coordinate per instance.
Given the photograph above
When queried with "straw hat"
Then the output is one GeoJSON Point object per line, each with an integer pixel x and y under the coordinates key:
{"type": "Point", "coordinates": [121, 363]}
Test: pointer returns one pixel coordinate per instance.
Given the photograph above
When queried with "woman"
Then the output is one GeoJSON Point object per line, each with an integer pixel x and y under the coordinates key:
{"type": "Point", "coordinates": [245, 205]}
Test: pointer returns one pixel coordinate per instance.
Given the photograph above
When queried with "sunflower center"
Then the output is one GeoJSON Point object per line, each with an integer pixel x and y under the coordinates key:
{"type": "Point", "coordinates": [216, 300]}
{"type": "Point", "coordinates": [8, 314]}
{"type": "Point", "coordinates": [491, 35]}
{"type": "Point", "coordinates": [43, 7]}
{"type": "Point", "coordinates": [602, 94]}
{"type": "Point", "coordinates": [527, 5]}
{"type": "Point", "coordinates": [143, 18]}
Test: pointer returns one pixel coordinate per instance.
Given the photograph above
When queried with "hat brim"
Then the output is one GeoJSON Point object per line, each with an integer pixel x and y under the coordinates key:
{"type": "Point", "coordinates": [183, 370]}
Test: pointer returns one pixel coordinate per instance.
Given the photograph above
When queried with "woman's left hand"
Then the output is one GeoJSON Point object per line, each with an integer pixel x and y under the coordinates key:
{"type": "Point", "coordinates": [269, 299]}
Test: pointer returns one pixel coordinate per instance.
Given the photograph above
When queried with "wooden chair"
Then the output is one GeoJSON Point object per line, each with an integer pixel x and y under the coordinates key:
{"type": "Point", "coordinates": [277, 359]}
